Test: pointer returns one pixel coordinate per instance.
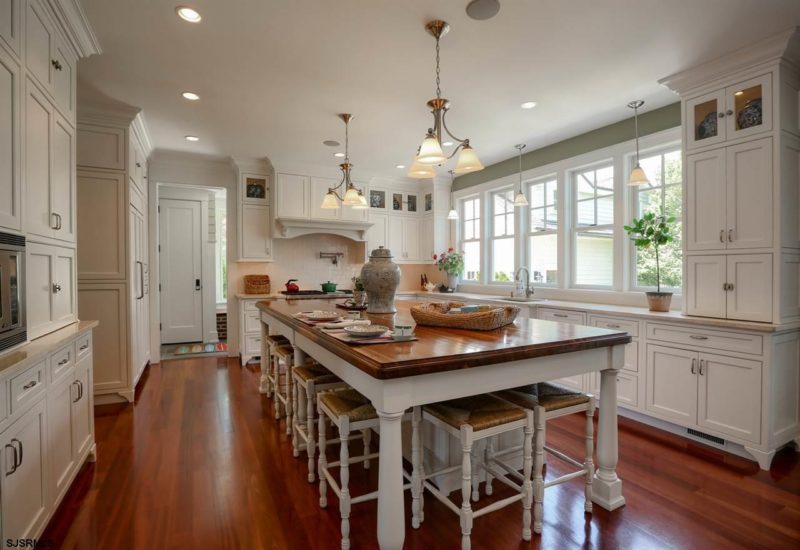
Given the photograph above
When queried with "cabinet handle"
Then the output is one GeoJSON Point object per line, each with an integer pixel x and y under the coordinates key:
{"type": "Point", "coordinates": [56, 288]}
{"type": "Point", "coordinates": [730, 235]}
{"type": "Point", "coordinates": [53, 224]}
{"type": "Point", "coordinates": [58, 217]}
{"type": "Point", "coordinates": [561, 315]}
{"type": "Point", "coordinates": [78, 392]}
{"type": "Point", "coordinates": [29, 385]}
{"type": "Point", "coordinates": [56, 64]}
{"type": "Point", "coordinates": [701, 367]}
{"type": "Point", "coordinates": [694, 365]}
{"type": "Point", "coordinates": [722, 235]}
{"type": "Point", "coordinates": [85, 346]}
{"type": "Point", "coordinates": [20, 451]}
{"type": "Point", "coordinates": [15, 464]}
{"type": "Point", "coordinates": [141, 280]}
{"type": "Point", "coordinates": [63, 361]}
{"type": "Point", "coordinates": [730, 286]}
{"type": "Point", "coordinates": [698, 337]}
{"type": "Point", "coordinates": [138, 165]}
{"type": "Point", "coordinates": [614, 326]}
{"type": "Point", "coordinates": [80, 385]}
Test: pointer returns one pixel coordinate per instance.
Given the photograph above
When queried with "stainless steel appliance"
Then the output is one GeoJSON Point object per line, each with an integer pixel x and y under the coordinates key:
{"type": "Point", "coordinates": [12, 290]}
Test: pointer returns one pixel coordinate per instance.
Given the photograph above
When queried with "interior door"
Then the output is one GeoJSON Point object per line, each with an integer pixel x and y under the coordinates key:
{"type": "Point", "coordinates": [180, 263]}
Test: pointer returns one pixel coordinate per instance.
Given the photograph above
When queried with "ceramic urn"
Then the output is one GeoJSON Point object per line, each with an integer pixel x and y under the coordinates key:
{"type": "Point", "coordinates": [381, 277]}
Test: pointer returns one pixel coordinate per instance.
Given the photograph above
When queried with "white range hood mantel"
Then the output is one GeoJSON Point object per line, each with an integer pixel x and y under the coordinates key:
{"type": "Point", "coordinates": [289, 228]}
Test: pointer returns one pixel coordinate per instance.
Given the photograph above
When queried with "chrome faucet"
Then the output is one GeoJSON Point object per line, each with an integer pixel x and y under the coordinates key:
{"type": "Point", "coordinates": [523, 290]}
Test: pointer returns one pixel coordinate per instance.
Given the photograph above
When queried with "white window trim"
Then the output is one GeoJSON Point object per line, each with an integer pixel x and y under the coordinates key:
{"type": "Point", "coordinates": [528, 232]}
{"type": "Point", "coordinates": [481, 233]}
{"type": "Point", "coordinates": [490, 238]}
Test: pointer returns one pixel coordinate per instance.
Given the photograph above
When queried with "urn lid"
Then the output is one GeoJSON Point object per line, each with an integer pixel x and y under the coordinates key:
{"type": "Point", "coordinates": [381, 252]}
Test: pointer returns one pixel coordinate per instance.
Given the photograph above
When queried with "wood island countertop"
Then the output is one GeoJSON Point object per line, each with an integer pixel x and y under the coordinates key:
{"type": "Point", "coordinates": [441, 349]}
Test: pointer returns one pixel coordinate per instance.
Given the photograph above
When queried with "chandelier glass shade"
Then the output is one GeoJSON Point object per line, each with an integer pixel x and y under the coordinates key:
{"type": "Point", "coordinates": [519, 198]}
{"type": "Point", "coordinates": [637, 177]}
{"type": "Point", "coordinates": [453, 214]}
{"type": "Point", "coordinates": [430, 152]}
{"type": "Point", "coordinates": [353, 196]}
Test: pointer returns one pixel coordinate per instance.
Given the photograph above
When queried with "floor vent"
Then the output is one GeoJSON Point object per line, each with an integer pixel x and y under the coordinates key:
{"type": "Point", "coordinates": [712, 438]}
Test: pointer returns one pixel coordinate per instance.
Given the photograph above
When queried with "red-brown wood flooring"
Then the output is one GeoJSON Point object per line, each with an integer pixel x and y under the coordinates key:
{"type": "Point", "coordinates": [199, 462]}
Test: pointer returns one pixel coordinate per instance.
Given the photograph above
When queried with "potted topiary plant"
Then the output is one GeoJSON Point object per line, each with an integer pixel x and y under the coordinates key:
{"type": "Point", "coordinates": [359, 297]}
{"type": "Point", "coordinates": [452, 263]}
{"type": "Point", "coordinates": [653, 230]}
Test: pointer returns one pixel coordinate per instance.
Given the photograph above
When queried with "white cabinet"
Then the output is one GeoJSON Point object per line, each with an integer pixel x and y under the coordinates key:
{"type": "Point", "coordinates": [403, 238]}
{"type": "Point", "coordinates": [706, 278]}
{"type": "Point", "coordinates": [10, 21]}
{"type": "Point", "coordinates": [729, 197]}
{"type": "Point", "coordinates": [138, 293]}
{"type": "Point", "coordinates": [101, 146]}
{"type": "Point", "coordinates": [82, 409]}
{"type": "Point", "coordinates": [51, 288]}
{"type": "Point", "coordinates": [64, 77]}
{"type": "Point", "coordinates": [426, 239]}
{"type": "Point", "coordinates": [249, 330]}
{"type": "Point", "coordinates": [672, 383]}
{"type": "Point", "coordinates": [10, 135]}
{"type": "Point", "coordinates": [256, 238]}
{"type": "Point", "coordinates": [292, 196]}
{"type": "Point", "coordinates": [24, 485]}
{"type": "Point", "coordinates": [734, 286]}
{"type": "Point", "coordinates": [137, 165]}
{"type": "Point", "coordinates": [63, 179]}
{"type": "Point", "coordinates": [62, 455]}
{"type": "Point", "coordinates": [377, 235]}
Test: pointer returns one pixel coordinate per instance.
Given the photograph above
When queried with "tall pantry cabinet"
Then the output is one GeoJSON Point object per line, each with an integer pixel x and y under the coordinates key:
{"type": "Point", "coordinates": [113, 263]}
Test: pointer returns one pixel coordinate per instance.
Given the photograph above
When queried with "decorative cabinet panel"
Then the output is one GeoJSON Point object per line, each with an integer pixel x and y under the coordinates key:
{"type": "Point", "coordinates": [249, 330]}
{"type": "Point", "coordinates": [736, 286]}
{"type": "Point", "coordinates": [63, 179]}
{"type": "Point", "coordinates": [137, 166]}
{"type": "Point", "coordinates": [108, 302]}
{"type": "Point", "coordinates": [705, 201]}
{"type": "Point", "coordinates": [256, 237]}
{"type": "Point", "coordinates": [101, 207]}
{"type": "Point", "coordinates": [292, 194]}
{"type": "Point", "coordinates": [377, 235]}
{"type": "Point", "coordinates": [40, 40]}
{"type": "Point", "coordinates": [50, 290]}
{"type": "Point", "coordinates": [10, 134]}
{"type": "Point", "coordinates": [672, 383]}
{"type": "Point", "coordinates": [62, 455]}
{"type": "Point", "coordinates": [101, 147]}
{"type": "Point", "coordinates": [10, 21]}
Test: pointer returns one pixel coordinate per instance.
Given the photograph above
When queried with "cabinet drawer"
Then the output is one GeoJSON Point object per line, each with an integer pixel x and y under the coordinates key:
{"type": "Point", "coordinates": [252, 322]}
{"type": "Point", "coordinates": [616, 323]}
{"type": "Point", "coordinates": [252, 344]}
{"type": "Point", "coordinates": [562, 316]}
{"type": "Point", "coordinates": [61, 363]}
{"type": "Point", "coordinates": [627, 389]}
{"type": "Point", "coordinates": [705, 338]}
{"type": "Point", "coordinates": [83, 345]}
{"type": "Point", "coordinates": [27, 386]}
{"type": "Point", "coordinates": [250, 305]}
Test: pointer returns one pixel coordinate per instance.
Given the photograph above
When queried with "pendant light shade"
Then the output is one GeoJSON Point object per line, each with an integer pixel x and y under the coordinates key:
{"type": "Point", "coordinates": [430, 152]}
{"type": "Point", "coordinates": [467, 161]}
{"type": "Point", "coordinates": [637, 177]}
{"type": "Point", "coordinates": [420, 171]}
{"type": "Point", "coordinates": [362, 202]}
{"type": "Point", "coordinates": [453, 214]}
{"type": "Point", "coordinates": [330, 202]}
{"type": "Point", "coordinates": [351, 197]}
{"type": "Point", "coordinates": [519, 198]}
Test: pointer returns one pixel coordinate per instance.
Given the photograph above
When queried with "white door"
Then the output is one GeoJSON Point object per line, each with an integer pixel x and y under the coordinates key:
{"type": "Point", "coordinates": [39, 44]}
{"type": "Point", "coordinates": [256, 237]}
{"type": "Point", "coordinates": [63, 284]}
{"type": "Point", "coordinates": [426, 251]}
{"type": "Point", "coordinates": [672, 383]}
{"type": "Point", "coordinates": [705, 201]}
{"type": "Point", "coordinates": [750, 298]}
{"type": "Point", "coordinates": [749, 195]}
{"type": "Point", "coordinates": [705, 290]}
{"type": "Point", "coordinates": [82, 413]}
{"type": "Point", "coordinates": [181, 295]}
{"type": "Point", "coordinates": [38, 289]}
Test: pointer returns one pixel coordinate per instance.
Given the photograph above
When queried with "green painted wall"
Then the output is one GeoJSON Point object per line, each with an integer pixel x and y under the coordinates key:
{"type": "Point", "coordinates": [649, 123]}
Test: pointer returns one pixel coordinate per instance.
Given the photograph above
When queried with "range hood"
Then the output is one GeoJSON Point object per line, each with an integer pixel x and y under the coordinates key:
{"type": "Point", "coordinates": [289, 228]}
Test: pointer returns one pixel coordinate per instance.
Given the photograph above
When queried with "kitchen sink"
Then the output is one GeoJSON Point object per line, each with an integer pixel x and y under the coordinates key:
{"type": "Point", "coordinates": [521, 299]}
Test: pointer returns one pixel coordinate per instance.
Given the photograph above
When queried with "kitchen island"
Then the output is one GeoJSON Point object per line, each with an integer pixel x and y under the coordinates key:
{"type": "Point", "coordinates": [450, 363]}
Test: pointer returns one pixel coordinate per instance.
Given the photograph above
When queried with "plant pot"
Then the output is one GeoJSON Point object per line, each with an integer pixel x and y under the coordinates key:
{"type": "Point", "coordinates": [659, 301]}
{"type": "Point", "coordinates": [359, 297]}
{"type": "Point", "coordinates": [452, 281]}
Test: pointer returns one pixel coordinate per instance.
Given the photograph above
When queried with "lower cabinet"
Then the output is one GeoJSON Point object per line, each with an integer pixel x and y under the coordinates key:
{"type": "Point", "coordinates": [249, 330]}
{"type": "Point", "coordinates": [50, 288]}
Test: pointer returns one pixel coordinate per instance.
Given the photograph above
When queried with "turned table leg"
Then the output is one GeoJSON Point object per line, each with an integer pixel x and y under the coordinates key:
{"type": "Point", "coordinates": [391, 514]}
{"type": "Point", "coordinates": [607, 487]}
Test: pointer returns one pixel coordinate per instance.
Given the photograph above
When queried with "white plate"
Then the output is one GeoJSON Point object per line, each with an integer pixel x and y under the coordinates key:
{"type": "Point", "coordinates": [322, 315]}
{"type": "Point", "coordinates": [366, 331]}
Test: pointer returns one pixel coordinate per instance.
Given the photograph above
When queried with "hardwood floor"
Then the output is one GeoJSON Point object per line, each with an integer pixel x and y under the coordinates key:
{"type": "Point", "coordinates": [199, 462]}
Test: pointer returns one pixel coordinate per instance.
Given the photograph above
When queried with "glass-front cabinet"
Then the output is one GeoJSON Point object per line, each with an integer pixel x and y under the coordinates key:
{"type": "Point", "coordinates": [729, 113]}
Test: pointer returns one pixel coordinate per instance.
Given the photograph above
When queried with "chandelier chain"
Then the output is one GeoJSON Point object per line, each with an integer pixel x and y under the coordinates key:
{"type": "Point", "coordinates": [438, 79]}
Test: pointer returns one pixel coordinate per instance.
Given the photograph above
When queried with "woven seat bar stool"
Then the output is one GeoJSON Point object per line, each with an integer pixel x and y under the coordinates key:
{"type": "Point", "coordinates": [348, 410]}
{"type": "Point", "coordinates": [549, 401]}
{"type": "Point", "coordinates": [471, 419]}
{"type": "Point", "coordinates": [268, 345]}
{"type": "Point", "coordinates": [281, 380]}
{"type": "Point", "coordinates": [308, 381]}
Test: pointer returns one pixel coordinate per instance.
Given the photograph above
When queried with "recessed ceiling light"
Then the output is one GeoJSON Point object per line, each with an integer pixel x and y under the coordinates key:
{"type": "Point", "coordinates": [740, 92]}
{"type": "Point", "coordinates": [447, 143]}
{"type": "Point", "coordinates": [338, 155]}
{"type": "Point", "coordinates": [400, 166]}
{"type": "Point", "coordinates": [188, 14]}
{"type": "Point", "coordinates": [191, 96]}
{"type": "Point", "coordinates": [192, 138]}
{"type": "Point", "coordinates": [528, 105]}
{"type": "Point", "coordinates": [482, 10]}
{"type": "Point", "coordinates": [331, 143]}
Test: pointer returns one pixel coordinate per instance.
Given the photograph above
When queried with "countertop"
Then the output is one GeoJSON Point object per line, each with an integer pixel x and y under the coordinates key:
{"type": "Point", "coordinates": [274, 296]}
{"type": "Point", "coordinates": [440, 349]}
{"type": "Point", "coordinates": [41, 347]}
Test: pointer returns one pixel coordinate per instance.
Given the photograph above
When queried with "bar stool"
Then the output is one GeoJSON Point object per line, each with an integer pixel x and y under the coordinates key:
{"type": "Point", "coordinates": [548, 401]}
{"type": "Point", "coordinates": [268, 345]}
{"type": "Point", "coordinates": [348, 410]}
{"type": "Point", "coordinates": [309, 380]}
{"type": "Point", "coordinates": [471, 419]}
{"type": "Point", "coordinates": [282, 363]}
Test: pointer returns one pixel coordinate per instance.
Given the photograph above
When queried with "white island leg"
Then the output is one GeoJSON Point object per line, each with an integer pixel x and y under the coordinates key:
{"type": "Point", "coordinates": [391, 513]}
{"type": "Point", "coordinates": [607, 487]}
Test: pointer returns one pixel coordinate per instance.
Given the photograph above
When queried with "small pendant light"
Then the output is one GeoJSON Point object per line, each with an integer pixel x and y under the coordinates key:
{"type": "Point", "coordinates": [519, 199]}
{"type": "Point", "coordinates": [453, 214]}
{"type": "Point", "coordinates": [638, 177]}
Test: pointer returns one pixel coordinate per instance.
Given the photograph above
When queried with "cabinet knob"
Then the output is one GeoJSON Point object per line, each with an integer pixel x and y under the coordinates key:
{"type": "Point", "coordinates": [729, 112]}
{"type": "Point", "coordinates": [721, 115]}
{"type": "Point", "coordinates": [56, 64]}
{"type": "Point", "coordinates": [138, 165]}
{"type": "Point", "coordinates": [56, 288]}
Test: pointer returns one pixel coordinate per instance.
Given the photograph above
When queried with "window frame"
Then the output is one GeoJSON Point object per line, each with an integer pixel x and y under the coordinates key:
{"type": "Point", "coordinates": [477, 237]}
{"type": "Point", "coordinates": [491, 237]}
{"type": "Point", "coordinates": [529, 234]}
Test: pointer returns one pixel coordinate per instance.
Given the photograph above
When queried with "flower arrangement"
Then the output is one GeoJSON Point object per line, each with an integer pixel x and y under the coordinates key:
{"type": "Point", "coordinates": [358, 284]}
{"type": "Point", "coordinates": [450, 262]}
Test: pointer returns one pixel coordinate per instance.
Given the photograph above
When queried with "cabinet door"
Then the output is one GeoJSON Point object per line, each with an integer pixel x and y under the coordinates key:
{"type": "Point", "coordinates": [101, 209]}
{"type": "Point", "coordinates": [63, 71]}
{"type": "Point", "coordinates": [256, 236]}
{"type": "Point", "coordinates": [749, 107]}
{"type": "Point", "coordinates": [38, 289]}
{"type": "Point", "coordinates": [377, 234]}
{"type": "Point", "coordinates": [292, 196]}
{"type": "Point", "coordinates": [750, 299]}
{"type": "Point", "coordinates": [394, 238]}
{"type": "Point", "coordinates": [705, 201]}
{"type": "Point", "coordinates": [101, 147]}
{"type": "Point", "coordinates": [135, 288]}
{"type": "Point", "coordinates": [10, 189]}
{"type": "Point", "coordinates": [411, 239]}
{"type": "Point", "coordinates": [61, 453]}
{"type": "Point", "coordinates": [39, 43]}
{"type": "Point", "coordinates": [749, 195]}
{"type": "Point", "coordinates": [705, 286]}
{"type": "Point", "coordinates": [108, 303]}
{"type": "Point", "coordinates": [23, 493]}
{"type": "Point", "coordinates": [63, 180]}
{"type": "Point", "coordinates": [136, 163]}
{"type": "Point", "coordinates": [426, 251]}
{"type": "Point", "coordinates": [64, 287]}
{"type": "Point", "coordinates": [705, 124]}
{"type": "Point", "coordinates": [319, 188]}
{"type": "Point", "coordinates": [10, 11]}
{"type": "Point", "coordinates": [82, 413]}
{"type": "Point", "coordinates": [672, 384]}
{"type": "Point", "coordinates": [38, 124]}
{"type": "Point", "coordinates": [729, 399]}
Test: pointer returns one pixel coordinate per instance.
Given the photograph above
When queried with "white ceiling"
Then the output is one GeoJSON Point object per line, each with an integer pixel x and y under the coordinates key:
{"type": "Point", "coordinates": [273, 74]}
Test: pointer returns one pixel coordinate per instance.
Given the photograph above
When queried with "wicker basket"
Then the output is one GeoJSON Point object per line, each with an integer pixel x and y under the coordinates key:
{"type": "Point", "coordinates": [256, 284]}
{"type": "Point", "coordinates": [486, 318]}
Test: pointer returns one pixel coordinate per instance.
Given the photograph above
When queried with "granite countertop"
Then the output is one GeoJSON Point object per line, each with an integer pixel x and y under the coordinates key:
{"type": "Point", "coordinates": [41, 347]}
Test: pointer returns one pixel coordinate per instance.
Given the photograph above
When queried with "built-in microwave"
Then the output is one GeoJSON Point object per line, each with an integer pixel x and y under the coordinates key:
{"type": "Point", "coordinates": [12, 290]}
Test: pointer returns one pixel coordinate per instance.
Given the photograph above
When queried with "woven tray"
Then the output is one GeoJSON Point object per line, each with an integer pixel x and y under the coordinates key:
{"type": "Point", "coordinates": [486, 318]}
{"type": "Point", "coordinates": [256, 284]}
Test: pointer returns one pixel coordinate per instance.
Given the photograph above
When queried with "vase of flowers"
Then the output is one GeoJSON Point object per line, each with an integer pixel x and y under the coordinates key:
{"type": "Point", "coordinates": [653, 230]}
{"type": "Point", "coordinates": [359, 297]}
{"type": "Point", "coordinates": [452, 263]}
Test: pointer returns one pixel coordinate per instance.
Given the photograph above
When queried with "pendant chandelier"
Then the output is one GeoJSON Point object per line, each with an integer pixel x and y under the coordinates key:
{"type": "Point", "coordinates": [353, 196]}
{"type": "Point", "coordinates": [453, 214]}
{"type": "Point", "coordinates": [519, 198]}
{"type": "Point", "coordinates": [638, 177]}
{"type": "Point", "coordinates": [430, 152]}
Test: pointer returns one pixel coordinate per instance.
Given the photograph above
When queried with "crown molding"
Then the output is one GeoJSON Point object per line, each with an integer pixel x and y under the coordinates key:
{"type": "Point", "coordinates": [139, 128]}
{"type": "Point", "coordinates": [76, 26]}
{"type": "Point", "coordinates": [116, 116]}
{"type": "Point", "coordinates": [784, 45]}
{"type": "Point", "coordinates": [190, 160]}
{"type": "Point", "coordinates": [254, 166]}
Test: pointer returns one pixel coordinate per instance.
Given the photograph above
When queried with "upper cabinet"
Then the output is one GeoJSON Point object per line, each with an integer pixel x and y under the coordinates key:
{"type": "Point", "coordinates": [292, 196]}
{"type": "Point", "coordinates": [10, 91]}
{"type": "Point", "coordinates": [729, 113]}
{"type": "Point", "coordinates": [10, 19]}
{"type": "Point", "coordinates": [255, 222]}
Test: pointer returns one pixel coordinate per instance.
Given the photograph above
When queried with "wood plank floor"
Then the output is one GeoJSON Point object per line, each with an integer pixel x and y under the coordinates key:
{"type": "Point", "coordinates": [199, 462]}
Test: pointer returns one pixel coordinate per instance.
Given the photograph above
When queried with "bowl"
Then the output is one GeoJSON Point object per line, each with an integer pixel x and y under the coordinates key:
{"type": "Point", "coordinates": [366, 331]}
{"type": "Point", "coordinates": [322, 315]}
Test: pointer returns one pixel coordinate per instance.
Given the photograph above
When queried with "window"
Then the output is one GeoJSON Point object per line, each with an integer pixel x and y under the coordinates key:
{"type": "Point", "coordinates": [543, 234]}
{"type": "Point", "coordinates": [502, 236]}
{"type": "Point", "coordinates": [663, 194]}
{"type": "Point", "coordinates": [471, 238]}
{"type": "Point", "coordinates": [593, 228]}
